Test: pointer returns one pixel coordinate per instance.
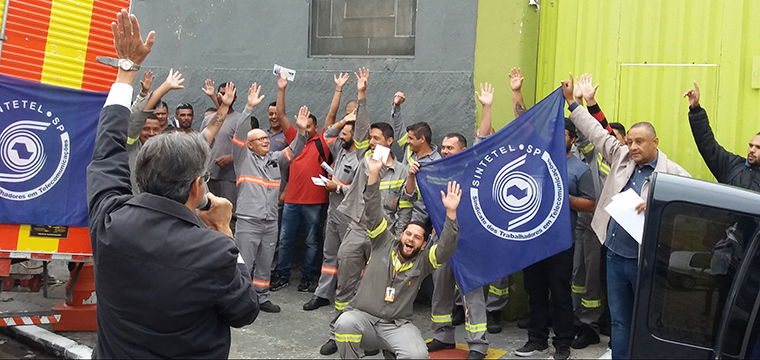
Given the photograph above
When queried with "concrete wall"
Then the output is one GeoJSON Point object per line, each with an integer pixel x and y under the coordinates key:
{"type": "Point", "coordinates": [240, 40]}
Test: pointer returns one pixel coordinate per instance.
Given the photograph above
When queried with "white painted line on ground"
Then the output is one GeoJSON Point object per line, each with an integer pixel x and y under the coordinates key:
{"type": "Point", "coordinates": [606, 355]}
{"type": "Point", "coordinates": [59, 345]}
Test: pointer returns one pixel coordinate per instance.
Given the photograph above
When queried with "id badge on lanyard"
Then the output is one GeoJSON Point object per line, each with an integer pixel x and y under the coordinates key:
{"type": "Point", "coordinates": [390, 294]}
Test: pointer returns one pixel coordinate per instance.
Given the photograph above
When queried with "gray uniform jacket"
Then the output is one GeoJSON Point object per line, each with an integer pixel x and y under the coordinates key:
{"type": "Point", "coordinates": [346, 164]}
{"type": "Point", "coordinates": [384, 262]}
{"type": "Point", "coordinates": [395, 201]}
{"type": "Point", "coordinates": [168, 286]}
{"type": "Point", "coordinates": [258, 177]}
{"type": "Point", "coordinates": [223, 145]}
{"type": "Point", "coordinates": [599, 167]}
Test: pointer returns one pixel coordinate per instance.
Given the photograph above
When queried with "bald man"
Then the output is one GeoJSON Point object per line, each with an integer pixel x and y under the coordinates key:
{"type": "Point", "coordinates": [258, 184]}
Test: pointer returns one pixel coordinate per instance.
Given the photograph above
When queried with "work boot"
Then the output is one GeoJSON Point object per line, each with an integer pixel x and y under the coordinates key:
{"type": "Point", "coordinates": [457, 316]}
{"type": "Point", "coordinates": [305, 283]}
{"type": "Point", "coordinates": [329, 348]}
{"type": "Point", "coordinates": [587, 336]}
{"type": "Point", "coordinates": [437, 345]}
{"type": "Point", "coordinates": [316, 302]}
{"type": "Point", "coordinates": [267, 306]}
{"type": "Point", "coordinates": [313, 286]}
{"type": "Point", "coordinates": [493, 319]}
{"type": "Point", "coordinates": [475, 355]}
{"type": "Point", "coordinates": [279, 283]}
{"type": "Point", "coordinates": [561, 352]}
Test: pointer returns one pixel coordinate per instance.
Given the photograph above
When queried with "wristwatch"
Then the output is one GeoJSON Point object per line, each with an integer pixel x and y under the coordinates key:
{"type": "Point", "coordinates": [124, 64]}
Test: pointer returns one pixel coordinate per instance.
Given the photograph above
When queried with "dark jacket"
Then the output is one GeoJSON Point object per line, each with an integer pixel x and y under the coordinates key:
{"type": "Point", "coordinates": [167, 285]}
{"type": "Point", "coordinates": [727, 168]}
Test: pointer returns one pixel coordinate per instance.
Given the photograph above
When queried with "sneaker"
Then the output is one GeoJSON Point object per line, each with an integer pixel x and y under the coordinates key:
{"type": "Point", "coordinates": [316, 302]}
{"type": "Point", "coordinates": [267, 306]}
{"type": "Point", "coordinates": [561, 352]}
{"type": "Point", "coordinates": [475, 355]}
{"type": "Point", "coordinates": [586, 336]}
{"type": "Point", "coordinates": [457, 316]}
{"type": "Point", "coordinates": [278, 284]}
{"type": "Point", "coordinates": [493, 319]}
{"type": "Point", "coordinates": [437, 345]}
{"type": "Point", "coordinates": [531, 348]}
{"type": "Point", "coordinates": [371, 352]}
{"type": "Point", "coordinates": [523, 323]}
{"type": "Point", "coordinates": [329, 348]}
{"type": "Point", "coordinates": [305, 283]}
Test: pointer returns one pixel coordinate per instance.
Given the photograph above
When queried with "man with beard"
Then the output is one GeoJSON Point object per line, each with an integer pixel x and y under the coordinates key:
{"type": "Point", "coordinates": [379, 316]}
{"type": "Point", "coordinates": [183, 117]}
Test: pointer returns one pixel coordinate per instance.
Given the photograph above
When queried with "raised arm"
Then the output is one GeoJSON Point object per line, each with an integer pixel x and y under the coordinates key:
{"type": "Point", "coordinates": [584, 145]}
{"type": "Point", "coordinates": [173, 82]}
{"type": "Point", "coordinates": [718, 159]}
{"type": "Point", "coordinates": [397, 120]}
{"type": "Point", "coordinates": [294, 149]}
{"type": "Point", "coordinates": [515, 82]}
{"type": "Point", "coordinates": [339, 80]}
{"type": "Point", "coordinates": [221, 113]}
{"type": "Point", "coordinates": [361, 127]}
{"type": "Point", "coordinates": [373, 217]}
{"type": "Point", "coordinates": [282, 84]}
{"type": "Point", "coordinates": [108, 172]}
{"type": "Point", "coordinates": [142, 97]}
{"type": "Point", "coordinates": [486, 100]}
{"type": "Point", "coordinates": [210, 90]}
{"type": "Point", "coordinates": [447, 243]}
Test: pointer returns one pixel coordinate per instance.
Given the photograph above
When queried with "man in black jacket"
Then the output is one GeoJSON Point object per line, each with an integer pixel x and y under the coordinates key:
{"type": "Point", "coordinates": [727, 168]}
{"type": "Point", "coordinates": [170, 283]}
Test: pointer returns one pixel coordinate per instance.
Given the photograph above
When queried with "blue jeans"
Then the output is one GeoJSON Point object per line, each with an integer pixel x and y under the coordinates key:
{"type": "Point", "coordinates": [292, 215]}
{"type": "Point", "coordinates": [622, 274]}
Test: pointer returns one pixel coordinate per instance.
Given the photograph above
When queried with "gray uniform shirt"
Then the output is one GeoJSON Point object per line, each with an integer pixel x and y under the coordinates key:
{"type": "Point", "coordinates": [258, 177]}
{"type": "Point", "coordinates": [387, 269]}
{"type": "Point", "coordinates": [346, 164]}
{"type": "Point", "coordinates": [223, 145]}
{"type": "Point", "coordinates": [599, 167]}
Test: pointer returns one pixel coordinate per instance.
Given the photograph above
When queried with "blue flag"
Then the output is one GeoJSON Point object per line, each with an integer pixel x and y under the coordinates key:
{"type": "Point", "coordinates": [514, 209]}
{"type": "Point", "coordinates": [47, 134]}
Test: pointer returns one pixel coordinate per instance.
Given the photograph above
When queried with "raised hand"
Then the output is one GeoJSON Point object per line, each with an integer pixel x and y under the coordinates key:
{"type": "Point", "coordinates": [586, 84]}
{"type": "Point", "coordinates": [578, 93]}
{"type": "Point", "coordinates": [302, 120]}
{"type": "Point", "coordinates": [414, 168]}
{"type": "Point", "coordinates": [516, 79]}
{"type": "Point", "coordinates": [147, 82]}
{"type": "Point", "coordinates": [362, 79]}
{"type": "Point", "coordinates": [568, 88]}
{"type": "Point", "coordinates": [127, 39]}
{"type": "Point", "coordinates": [693, 95]}
{"type": "Point", "coordinates": [451, 198]}
{"type": "Point", "coordinates": [486, 94]}
{"type": "Point", "coordinates": [174, 80]}
{"type": "Point", "coordinates": [209, 88]}
{"type": "Point", "coordinates": [398, 98]}
{"type": "Point", "coordinates": [340, 80]}
{"type": "Point", "coordinates": [229, 94]}
{"type": "Point", "coordinates": [253, 96]}
{"type": "Point", "coordinates": [282, 81]}
{"type": "Point", "coordinates": [374, 166]}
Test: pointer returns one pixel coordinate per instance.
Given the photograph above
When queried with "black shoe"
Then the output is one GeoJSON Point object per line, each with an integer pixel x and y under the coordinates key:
{"type": "Point", "coordinates": [457, 316]}
{"type": "Point", "coordinates": [531, 348]}
{"type": "Point", "coordinates": [329, 348]}
{"type": "Point", "coordinates": [561, 352]}
{"type": "Point", "coordinates": [493, 319]}
{"type": "Point", "coordinates": [476, 355]}
{"type": "Point", "coordinates": [586, 337]}
{"type": "Point", "coordinates": [278, 284]}
{"type": "Point", "coordinates": [316, 302]}
{"type": "Point", "coordinates": [313, 286]}
{"type": "Point", "coordinates": [371, 352]}
{"type": "Point", "coordinates": [437, 345]}
{"type": "Point", "coordinates": [269, 307]}
{"type": "Point", "coordinates": [305, 283]}
{"type": "Point", "coordinates": [523, 323]}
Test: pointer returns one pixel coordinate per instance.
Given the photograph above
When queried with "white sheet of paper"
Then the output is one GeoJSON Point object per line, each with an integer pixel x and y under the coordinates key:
{"type": "Point", "coordinates": [317, 181]}
{"type": "Point", "coordinates": [327, 168]}
{"type": "Point", "coordinates": [623, 210]}
{"type": "Point", "coordinates": [289, 74]}
{"type": "Point", "coordinates": [324, 179]}
{"type": "Point", "coordinates": [381, 153]}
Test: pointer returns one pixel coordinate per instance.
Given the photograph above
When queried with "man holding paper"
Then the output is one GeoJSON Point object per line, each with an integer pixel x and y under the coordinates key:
{"type": "Point", "coordinates": [630, 167]}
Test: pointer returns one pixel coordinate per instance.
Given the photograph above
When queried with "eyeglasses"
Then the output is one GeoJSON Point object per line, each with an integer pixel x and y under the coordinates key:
{"type": "Point", "coordinates": [184, 106]}
{"type": "Point", "coordinates": [261, 138]}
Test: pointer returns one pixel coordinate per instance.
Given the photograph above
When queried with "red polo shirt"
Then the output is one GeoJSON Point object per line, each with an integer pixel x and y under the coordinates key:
{"type": "Point", "coordinates": [301, 190]}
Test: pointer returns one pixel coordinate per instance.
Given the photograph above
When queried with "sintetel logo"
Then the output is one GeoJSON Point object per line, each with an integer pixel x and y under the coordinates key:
{"type": "Point", "coordinates": [517, 178]}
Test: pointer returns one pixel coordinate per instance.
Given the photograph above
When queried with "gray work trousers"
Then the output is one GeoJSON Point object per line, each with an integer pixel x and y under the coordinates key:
{"type": "Point", "coordinates": [497, 297]}
{"type": "Point", "coordinates": [587, 303]}
{"type": "Point", "coordinates": [256, 239]}
{"type": "Point", "coordinates": [355, 331]}
{"type": "Point", "coordinates": [444, 293]}
{"type": "Point", "coordinates": [228, 190]}
{"type": "Point", "coordinates": [335, 229]}
{"type": "Point", "coordinates": [353, 255]}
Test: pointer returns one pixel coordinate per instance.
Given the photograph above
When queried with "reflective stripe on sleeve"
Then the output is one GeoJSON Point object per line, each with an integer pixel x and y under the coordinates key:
{"type": "Point", "coordinates": [379, 229]}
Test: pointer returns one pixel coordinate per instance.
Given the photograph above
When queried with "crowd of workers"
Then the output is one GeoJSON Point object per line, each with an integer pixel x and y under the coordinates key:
{"type": "Point", "coordinates": [367, 215]}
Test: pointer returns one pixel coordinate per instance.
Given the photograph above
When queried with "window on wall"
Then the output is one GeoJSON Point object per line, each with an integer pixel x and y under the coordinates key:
{"type": "Point", "coordinates": [375, 28]}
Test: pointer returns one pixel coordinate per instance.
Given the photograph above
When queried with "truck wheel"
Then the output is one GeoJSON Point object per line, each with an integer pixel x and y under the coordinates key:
{"type": "Point", "coordinates": [687, 282]}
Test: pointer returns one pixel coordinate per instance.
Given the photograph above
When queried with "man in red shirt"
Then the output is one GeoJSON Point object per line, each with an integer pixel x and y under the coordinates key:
{"type": "Point", "coordinates": [304, 200]}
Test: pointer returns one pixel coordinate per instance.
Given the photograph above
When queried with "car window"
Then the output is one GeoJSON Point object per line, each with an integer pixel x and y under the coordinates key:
{"type": "Point", "coordinates": [699, 251]}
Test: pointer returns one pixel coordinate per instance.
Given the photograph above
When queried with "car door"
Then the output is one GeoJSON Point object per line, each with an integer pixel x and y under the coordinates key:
{"type": "Point", "coordinates": [679, 301]}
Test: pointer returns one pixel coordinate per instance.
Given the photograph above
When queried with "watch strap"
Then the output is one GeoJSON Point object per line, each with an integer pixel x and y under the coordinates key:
{"type": "Point", "coordinates": [108, 61]}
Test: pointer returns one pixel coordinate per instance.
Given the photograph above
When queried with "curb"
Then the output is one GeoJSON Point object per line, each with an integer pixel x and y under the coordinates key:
{"type": "Point", "coordinates": [54, 343]}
